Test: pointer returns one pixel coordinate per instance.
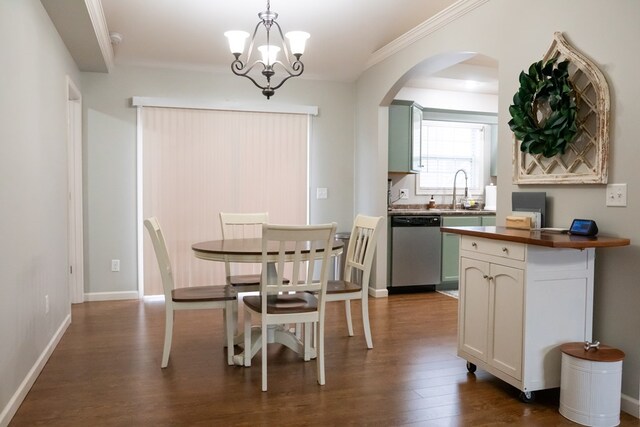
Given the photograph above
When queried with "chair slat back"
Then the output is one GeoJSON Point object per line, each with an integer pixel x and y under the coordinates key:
{"type": "Point", "coordinates": [162, 255]}
{"type": "Point", "coordinates": [362, 246]}
{"type": "Point", "coordinates": [242, 225]}
{"type": "Point", "coordinates": [314, 240]}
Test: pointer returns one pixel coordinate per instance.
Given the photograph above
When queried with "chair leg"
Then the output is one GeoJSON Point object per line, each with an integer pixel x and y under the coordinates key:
{"type": "Point", "coordinates": [320, 351]}
{"type": "Point", "coordinates": [307, 341]}
{"type": "Point", "coordinates": [264, 357]}
{"type": "Point", "coordinates": [347, 310]}
{"type": "Point", "coordinates": [229, 329]}
{"type": "Point", "coordinates": [365, 322]}
{"type": "Point", "coordinates": [168, 335]}
{"type": "Point", "coordinates": [247, 338]}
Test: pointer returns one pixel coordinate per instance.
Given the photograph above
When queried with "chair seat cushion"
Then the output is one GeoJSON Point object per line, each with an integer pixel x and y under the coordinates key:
{"type": "Point", "coordinates": [342, 287]}
{"type": "Point", "coordinates": [204, 293]}
{"type": "Point", "coordinates": [300, 302]}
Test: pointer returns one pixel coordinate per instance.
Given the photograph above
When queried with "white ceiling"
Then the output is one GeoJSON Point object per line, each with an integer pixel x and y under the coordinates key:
{"type": "Point", "coordinates": [188, 34]}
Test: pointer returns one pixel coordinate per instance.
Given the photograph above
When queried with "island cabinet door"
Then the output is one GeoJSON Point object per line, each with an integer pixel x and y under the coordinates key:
{"type": "Point", "coordinates": [473, 313]}
{"type": "Point", "coordinates": [506, 313]}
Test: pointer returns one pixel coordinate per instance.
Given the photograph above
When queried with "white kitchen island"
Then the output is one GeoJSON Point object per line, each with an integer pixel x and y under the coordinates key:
{"type": "Point", "coordinates": [522, 295]}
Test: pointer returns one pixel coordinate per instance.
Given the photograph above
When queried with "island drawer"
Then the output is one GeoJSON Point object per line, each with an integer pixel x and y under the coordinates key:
{"type": "Point", "coordinates": [500, 248]}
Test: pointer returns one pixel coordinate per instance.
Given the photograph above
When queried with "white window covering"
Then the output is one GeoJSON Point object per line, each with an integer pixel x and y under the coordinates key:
{"type": "Point", "coordinates": [197, 163]}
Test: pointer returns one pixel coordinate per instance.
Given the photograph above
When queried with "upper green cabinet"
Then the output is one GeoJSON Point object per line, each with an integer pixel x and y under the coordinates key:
{"type": "Point", "coordinates": [405, 137]}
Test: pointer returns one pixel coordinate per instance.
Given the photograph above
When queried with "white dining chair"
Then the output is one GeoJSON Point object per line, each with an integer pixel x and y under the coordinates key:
{"type": "Point", "coordinates": [242, 226]}
{"type": "Point", "coordinates": [299, 301]}
{"type": "Point", "coordinates": [190, 298]}
{"type": "Point", "coordinates": [354, 283]}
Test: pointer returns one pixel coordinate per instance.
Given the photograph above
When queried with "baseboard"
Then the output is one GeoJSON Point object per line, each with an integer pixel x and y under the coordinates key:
{"type": "Point", "coordinates": [110, 296]}
{"type": "Point", "coordinates": [16, 400]}
{"type": "Point", "coordinates": [379, 293]}
{"type": "Point", "coordinates": [630, 406]}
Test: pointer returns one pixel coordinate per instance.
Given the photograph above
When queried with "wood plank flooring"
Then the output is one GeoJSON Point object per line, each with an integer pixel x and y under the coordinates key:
{"type": "Point", "coordinates": [106, 372]}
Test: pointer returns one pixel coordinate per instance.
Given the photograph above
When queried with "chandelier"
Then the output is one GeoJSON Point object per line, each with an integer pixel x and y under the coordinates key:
{"type": "Point", "coordinates": [269, 53]}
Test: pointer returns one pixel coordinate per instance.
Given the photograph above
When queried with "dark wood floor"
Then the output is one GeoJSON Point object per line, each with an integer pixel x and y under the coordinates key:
{"type": "Point", "coordinates": [106, 371]}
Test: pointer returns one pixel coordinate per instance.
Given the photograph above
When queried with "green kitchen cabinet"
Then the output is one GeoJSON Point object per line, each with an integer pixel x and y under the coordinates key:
{"type": "Point", "coordinates": [451, 243]}
{"type": "Point", "coordinates": [405, 137]}
{"type": "Point", "coordinates": [488, 220]}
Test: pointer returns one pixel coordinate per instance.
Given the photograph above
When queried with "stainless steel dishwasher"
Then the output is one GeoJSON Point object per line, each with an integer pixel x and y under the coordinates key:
{"type": "Point", "coordinates": [416, 247]}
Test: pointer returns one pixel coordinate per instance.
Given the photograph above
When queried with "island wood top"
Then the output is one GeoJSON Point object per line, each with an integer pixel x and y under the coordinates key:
{"type": "Point", "coordinates": [539, 238]}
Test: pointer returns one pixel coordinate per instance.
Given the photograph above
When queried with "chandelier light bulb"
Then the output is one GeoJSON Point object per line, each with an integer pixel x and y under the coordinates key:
{"type": "Point", "coordinates": [237, 40]}
{"type": "Point", "coordinates": [297, 41]}
{"type": "Point", "coordinates": [269, 54]}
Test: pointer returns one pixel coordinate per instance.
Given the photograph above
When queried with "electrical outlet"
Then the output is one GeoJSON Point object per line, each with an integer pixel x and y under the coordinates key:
{"type": "Point", "coordinates": [321, 193]}
{"type": "Point", "coordinates": [404, 193]}
{"type": "Point", "coordinates": [115, 265]}
{"type": "Point", "coordinates": [617, 195]}
{"type": "Point", "coordinates": [46, 304]}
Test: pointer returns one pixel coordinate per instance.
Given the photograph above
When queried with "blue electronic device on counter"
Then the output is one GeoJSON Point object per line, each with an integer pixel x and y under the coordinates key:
{"type": "Point", "coordinates": [583, 227]}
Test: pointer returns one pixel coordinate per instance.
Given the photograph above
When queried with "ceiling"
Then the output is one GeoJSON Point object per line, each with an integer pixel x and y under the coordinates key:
{"type": "Point", "coordinates": [188, 34]}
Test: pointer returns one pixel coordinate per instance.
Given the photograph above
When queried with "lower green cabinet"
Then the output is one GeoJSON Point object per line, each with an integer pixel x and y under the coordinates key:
{"type": "Point", "coordinates": [451, 242]}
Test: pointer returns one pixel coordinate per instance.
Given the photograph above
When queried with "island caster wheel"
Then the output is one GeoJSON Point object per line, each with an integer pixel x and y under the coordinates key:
{"type": "Point", "coordinates": [471, 367]}
{"type": "Point", "coordinates": [527, 396]}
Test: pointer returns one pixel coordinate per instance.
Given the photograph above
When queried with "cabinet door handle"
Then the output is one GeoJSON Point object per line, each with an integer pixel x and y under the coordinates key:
{"type": "Point", "coordinates": [505, 250]}
{"type": "Point", "coordinates": [474, 244]}
{"type": "Point", "coordinates": [485, 277]}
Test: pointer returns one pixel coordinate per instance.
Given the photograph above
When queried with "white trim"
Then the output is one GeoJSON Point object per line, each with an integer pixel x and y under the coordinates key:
{"type": "Point", "coordinates": [96, 15]}
{"type": "Point", "coordinates": [74, 189]}
{"type": "Point", "coordinates": [139, 213]}
{"type": "Point", "coordinates": [378, 293]}
{"type": "Point", "coordinates": [18, 397]}
{"type": "Point", "coordinates": [448, 15]}
{"type": "Point", "coordinates": [110, 296]}
{"type": "Point", "coordinates": [145, 101]}
{"type": "Point", "coordinates": [630, 405]}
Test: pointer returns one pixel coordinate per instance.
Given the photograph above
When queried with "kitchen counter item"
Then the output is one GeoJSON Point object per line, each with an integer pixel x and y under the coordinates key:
{"type": "Point", "coordinates": [590, 384]}
{"type": "Point", "coordinates": [490, 197]}
{"type": "Point", "coordinates": [415, 250]}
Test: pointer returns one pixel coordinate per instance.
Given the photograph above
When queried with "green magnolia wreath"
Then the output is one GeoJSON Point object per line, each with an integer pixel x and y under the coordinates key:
{"type": "Point", "coordinates": [544, 87]}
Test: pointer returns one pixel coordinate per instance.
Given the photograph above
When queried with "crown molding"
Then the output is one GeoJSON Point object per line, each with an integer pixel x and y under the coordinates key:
{"type": "Point", "coordinates": [448, 15]}
{"type": "Point", "coordinates": [96, 14]}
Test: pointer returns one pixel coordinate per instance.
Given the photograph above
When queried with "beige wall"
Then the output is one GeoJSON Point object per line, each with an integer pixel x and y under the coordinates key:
{"type": "Point", "coordinates": [110, 154]}
{"type": "Point", "coordinates": [605, 31]}
{"type": "Point", "coordinates": [33, 193]}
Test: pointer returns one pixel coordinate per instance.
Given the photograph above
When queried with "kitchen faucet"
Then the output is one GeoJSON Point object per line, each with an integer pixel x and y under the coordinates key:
{"type": "Point", "coordinates": [466, 189]}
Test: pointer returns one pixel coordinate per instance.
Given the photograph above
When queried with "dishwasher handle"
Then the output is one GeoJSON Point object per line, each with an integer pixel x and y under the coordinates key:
{"type": "Point", "coordinates": [415, 221]}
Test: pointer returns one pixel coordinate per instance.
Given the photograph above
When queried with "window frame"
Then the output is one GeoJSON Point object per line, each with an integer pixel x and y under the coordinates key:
{"type": "Point", "coordinates": [488, 119]}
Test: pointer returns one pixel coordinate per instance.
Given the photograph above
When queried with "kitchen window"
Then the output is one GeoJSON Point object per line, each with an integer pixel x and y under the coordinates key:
{"type": "Point", "coordinates": [450, 143]}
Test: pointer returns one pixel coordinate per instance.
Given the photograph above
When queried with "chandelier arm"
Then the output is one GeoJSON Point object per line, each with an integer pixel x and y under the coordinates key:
{"type": "Point", "coordinates": [237, 68]}
{"type": "Point", "coordinates": [284, 42]}
{"type": "Point", "coordinates": [296, 65]}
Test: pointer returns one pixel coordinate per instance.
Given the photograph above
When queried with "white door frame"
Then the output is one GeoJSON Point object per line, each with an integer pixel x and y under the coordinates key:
{"type": "Point", "coordinates": [74, 185]}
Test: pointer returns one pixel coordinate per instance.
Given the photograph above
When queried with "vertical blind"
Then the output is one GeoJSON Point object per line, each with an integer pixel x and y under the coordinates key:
{"type": "Point", "coordinates": [198, 163]}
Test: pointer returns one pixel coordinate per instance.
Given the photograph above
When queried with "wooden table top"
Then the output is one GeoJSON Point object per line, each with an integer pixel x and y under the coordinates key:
{"type": "Point", "coordinates": [249, 250]}
{"type": "Point", "coordinates": [539, 238]}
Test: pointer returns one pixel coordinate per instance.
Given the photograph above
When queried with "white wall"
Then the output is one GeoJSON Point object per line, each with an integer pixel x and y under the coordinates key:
{"type": "Point", "coordinates": [110, 154]}
{"type": "Point", "coordinates": [33, 193]}
{"type": "Point", "coordinates": [605, 31]}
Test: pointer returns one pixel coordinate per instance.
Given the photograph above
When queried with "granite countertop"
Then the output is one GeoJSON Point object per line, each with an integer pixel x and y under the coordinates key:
{"type": "Point", "coordinates": [443, 210]}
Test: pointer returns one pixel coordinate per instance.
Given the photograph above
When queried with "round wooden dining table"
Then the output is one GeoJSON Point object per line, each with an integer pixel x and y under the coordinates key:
{"type": "Point", "coordinates": [250, 251]}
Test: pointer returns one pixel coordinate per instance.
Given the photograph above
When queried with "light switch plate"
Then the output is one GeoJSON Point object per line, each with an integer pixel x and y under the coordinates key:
{"type": "Point", "coordinates": [321, 193]}
{"type": "Point", "coordinates": [617, 195]}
